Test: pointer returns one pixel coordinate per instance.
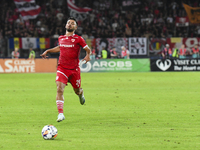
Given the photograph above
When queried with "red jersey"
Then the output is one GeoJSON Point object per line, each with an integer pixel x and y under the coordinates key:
{"type": "Point", "coordinates": [169, 51]}
{"type": "Point", "coordinates": [182, 51]}
{"type": "Point", "coordinates": [124, 53]}
{"type": "Point", "coordinates": [195, 50]}
{"type": "Point", "coordinates": [15, 54]}
{"type": "Point", "coordinates": [70, 50]}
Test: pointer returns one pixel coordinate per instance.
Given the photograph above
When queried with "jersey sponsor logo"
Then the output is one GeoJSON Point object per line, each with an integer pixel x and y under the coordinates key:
{"type": "Point", "coordinates": [63, 45]}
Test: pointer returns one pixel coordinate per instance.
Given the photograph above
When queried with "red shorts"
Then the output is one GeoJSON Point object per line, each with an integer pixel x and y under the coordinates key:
{"type": "Point", "coordinates": [67, 75]}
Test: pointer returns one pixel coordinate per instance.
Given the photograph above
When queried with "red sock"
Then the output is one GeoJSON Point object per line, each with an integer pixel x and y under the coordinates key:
{"type": "Point", "coordinates": [60, 106]}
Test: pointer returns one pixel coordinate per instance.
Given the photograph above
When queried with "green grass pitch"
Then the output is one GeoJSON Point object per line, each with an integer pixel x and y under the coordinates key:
{"type": "Point", "coordinates": [123, 111]}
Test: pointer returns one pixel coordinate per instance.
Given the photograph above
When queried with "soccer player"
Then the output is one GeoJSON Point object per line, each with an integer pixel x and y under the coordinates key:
{"type": "Point", "coordinates": [68, 65]}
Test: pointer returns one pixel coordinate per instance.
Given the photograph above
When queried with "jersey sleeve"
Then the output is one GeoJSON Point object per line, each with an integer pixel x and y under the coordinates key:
{"type": "Point", "coordinates": [82, 42]}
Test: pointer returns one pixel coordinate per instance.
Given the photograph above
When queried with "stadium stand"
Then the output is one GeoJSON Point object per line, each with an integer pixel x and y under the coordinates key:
{"type": "Point", "coordinates": [108, 19]}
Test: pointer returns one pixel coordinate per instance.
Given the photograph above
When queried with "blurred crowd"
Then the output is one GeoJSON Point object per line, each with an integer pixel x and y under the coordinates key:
{"type": "Point", "coordinates": [149, 18]}
{"type": "Point", "coordinates": [108, 19]}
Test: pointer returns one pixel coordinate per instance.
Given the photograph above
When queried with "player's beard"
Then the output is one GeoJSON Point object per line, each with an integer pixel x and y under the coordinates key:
{"type": "Point", "coordinates": [70, 30]}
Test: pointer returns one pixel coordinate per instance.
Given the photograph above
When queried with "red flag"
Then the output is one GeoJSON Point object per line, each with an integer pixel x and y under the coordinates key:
{"type": "Point", "coordinates": [27, 8]}
{"type": "Point", "coordinates": [77, 12]}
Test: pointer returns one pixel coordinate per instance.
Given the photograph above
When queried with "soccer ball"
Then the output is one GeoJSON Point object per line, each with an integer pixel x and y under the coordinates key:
{"type": "Point", "coordinates": [49, 132]}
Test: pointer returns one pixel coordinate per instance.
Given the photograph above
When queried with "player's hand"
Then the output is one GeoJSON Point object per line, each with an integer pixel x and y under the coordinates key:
{"type": "Point", "coordinates": [86, 59]}
{"type": "Point", "coordinates": [44, 55]}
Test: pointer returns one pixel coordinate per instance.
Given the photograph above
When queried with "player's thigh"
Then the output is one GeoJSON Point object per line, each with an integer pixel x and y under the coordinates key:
{"type": "Point", "coordinates": [61, 76]}
{"type": "Point", "coordinates": [75, 79]}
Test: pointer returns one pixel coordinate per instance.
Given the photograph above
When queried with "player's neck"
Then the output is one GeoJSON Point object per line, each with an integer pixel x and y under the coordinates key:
{"type": "Point", "coordinates": [69, 33]}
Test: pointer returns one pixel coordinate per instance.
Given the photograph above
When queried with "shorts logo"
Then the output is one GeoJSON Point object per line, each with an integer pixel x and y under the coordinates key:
{"type": "Point", "coordinates": [73, 40]}
{"type": "Point", "coordinates": [57, 77]}
{"type": "Point", "coordinates": [78, 82]}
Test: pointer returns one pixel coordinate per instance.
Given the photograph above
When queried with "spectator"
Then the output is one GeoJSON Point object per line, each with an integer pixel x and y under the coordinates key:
{"type": "Point", "coordinates": [60, 16]}
{"type": "Point", "coordinates": [156, 11]}
{"type": "Point", "coordinates": [56, 35]}
{"type": "Point", "coordinates": [113, 53]}
{"type": "Point", "coordinates": [167, 52]}
{"type": "Point", "coordinates": [85, 36]}
{"type": "Point", "coordinates": [91, 36]}
{"type": "Point", "coordinates": [128, 31]}
{"type": "Point", "coordinates": [15, 54]}
{"type": "Point", "coordinates": [125, 53]}
{"type": "Point", "coordinates": [115, 25]}
{"type": "Point", "coordinates": [170, 19]}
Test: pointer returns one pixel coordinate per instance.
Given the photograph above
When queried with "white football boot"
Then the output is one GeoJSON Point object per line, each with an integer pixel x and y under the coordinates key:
{"type": "Point", "coordinates": [61, 117]}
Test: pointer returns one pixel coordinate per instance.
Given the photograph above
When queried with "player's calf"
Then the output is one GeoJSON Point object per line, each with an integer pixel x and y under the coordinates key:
{"type": "Point", "coordinates": [80, 94]}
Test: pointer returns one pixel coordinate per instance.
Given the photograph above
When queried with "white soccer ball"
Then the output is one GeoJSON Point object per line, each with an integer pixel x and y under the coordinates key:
{"type": "Point", "coordinates": [49, 132]}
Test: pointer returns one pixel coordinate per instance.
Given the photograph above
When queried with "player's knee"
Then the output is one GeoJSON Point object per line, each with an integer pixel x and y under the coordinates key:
{"type": "Point", "coordinates": [60, 89]}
